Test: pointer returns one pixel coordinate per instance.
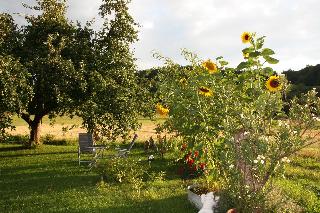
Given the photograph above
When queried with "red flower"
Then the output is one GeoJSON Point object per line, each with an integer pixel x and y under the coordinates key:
{"type": "Point", "coordinates": [187, 155]}
{"type": "Point", "coordinates": [194, 168]}
{"type": "Point", "coordinates": [202, 166]}
{"type": "Point", "coordinates": [196, 154]}
{"type": "Point", "coordinates": [190, 161]}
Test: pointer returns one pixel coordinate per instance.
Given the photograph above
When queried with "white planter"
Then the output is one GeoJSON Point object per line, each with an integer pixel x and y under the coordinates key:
{"type": "Point", "coordinates": [198, 203]}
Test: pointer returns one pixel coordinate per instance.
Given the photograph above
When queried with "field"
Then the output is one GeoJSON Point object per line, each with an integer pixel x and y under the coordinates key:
{"type": "Point", "coordinates": [66, 128]}
{"type": "Point", "coordinates": [49, 179]}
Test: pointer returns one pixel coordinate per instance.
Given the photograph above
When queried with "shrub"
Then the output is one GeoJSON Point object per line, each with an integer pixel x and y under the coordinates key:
{"type": "Point", "coordinates": [122, 170]}
{"type": "Point", "coordinates": [234, 117]}
{"type": "Point", "coordinates": [50, 139]}
{"type": "Point", "coordinates": [18, 139]}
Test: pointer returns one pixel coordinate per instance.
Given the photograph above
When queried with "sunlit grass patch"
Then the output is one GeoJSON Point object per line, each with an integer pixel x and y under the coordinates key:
{"type": "Point", "coordinates": [49, 178]}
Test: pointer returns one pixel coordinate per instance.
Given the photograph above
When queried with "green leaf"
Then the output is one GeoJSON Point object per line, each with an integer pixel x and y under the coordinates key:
{"type": "Point", "coordinates": [268, 71]}
{"type": "Point", "coordinates": [267, 51]}
{"type": "Point", "coordinates": [270, 60]}
{"type": "Point", "coordinates": [223, 63]}
{"type": "Point", "coordinates": [218, 58]}
{"type": "Point", "coordinates": [242, 65]}
{"type": "Point", "coordinates": [247, 50]}
{"type": "Point", "coordinates": [254, 54]}
{"type": "Point", "coordinates": [260, 42]}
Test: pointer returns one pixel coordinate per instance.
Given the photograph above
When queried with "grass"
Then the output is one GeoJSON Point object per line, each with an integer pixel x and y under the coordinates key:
{"type": "Point", "coordinates": [48, 179]}
{"type": "Point", "coordinates": [302, 182]}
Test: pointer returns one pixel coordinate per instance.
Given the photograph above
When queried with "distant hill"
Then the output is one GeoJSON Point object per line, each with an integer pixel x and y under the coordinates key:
{"type": "Point", "coordinates": [309, 76]}
{"type": "Point", "coordinates": [304, 80]}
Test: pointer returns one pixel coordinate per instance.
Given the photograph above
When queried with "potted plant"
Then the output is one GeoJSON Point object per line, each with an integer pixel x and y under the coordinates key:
{"type": "Point", "coordinates": [202, 197]}
{"type": "Point", "coordinates": [235, 119]}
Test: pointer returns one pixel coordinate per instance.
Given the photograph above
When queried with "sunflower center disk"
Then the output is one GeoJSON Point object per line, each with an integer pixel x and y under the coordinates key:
{"type": "Point", "coordinates": [274, 83]}
{"type": "Point", "coordinates": [204, 90]}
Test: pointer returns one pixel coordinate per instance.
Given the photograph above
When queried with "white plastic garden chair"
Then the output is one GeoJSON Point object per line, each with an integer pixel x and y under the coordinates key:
{"type": "Point", "coordinates": [125, 152]}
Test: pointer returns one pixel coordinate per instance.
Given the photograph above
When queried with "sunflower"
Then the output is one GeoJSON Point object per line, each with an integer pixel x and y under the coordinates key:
{"type": "Point", "coordinates": [210, 66]}
{"type": "Point", "coordinates": [205, 91]}
{"type": "Point", "coordinates": [246, 37]}
{"type": "Point", "coordinates": [273, 83]}
{"type": "Point", "coordinates": [162, 110]}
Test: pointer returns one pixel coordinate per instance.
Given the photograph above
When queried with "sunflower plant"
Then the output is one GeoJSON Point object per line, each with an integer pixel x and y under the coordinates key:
{"type": "Point", "coordinates": [235, 119]}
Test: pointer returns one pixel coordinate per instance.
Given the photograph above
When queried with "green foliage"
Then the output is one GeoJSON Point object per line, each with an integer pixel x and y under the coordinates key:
{"type": "Point", "coordinates": [113, 99]}
{"type": "Point", "coordinates": [122, 170]}
{"type": "Point", "coordinates": [308, 76]}
{"type": "Point", "coordinates": [15, 91]}
{"type": "Point", "coordinates": [235, 118]}
{"type": "Point", "coordinates": [303, 80]}
{"type": "Point", "coordinates": [50, 139]}
{"type": "Point", "coordinates": [72, 69]}
{"type": "Point", "coordinates": [16, 139]}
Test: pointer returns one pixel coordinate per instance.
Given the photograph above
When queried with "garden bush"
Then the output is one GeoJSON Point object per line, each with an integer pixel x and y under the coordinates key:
{"type": "Point", "coordinates": [234, 118]}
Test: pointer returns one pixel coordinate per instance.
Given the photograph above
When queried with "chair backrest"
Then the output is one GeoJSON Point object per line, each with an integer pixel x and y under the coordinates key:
{"type": "Point", "coordinates": [133, 141]}
{"type": "Point", "coordinates": [85, 141]}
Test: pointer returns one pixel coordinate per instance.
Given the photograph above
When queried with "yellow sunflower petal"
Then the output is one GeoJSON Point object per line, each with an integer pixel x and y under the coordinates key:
{"type": "Point", "coordinates": [162, 110]}
{"type": "Point", "coordinates": [205, 91]}
{"type": "Point", "coordinates": [210, 66]}
{"type": "Point", "coordinates": [246, 37]}
{"type": "Point", "coordinates": [273, 84]}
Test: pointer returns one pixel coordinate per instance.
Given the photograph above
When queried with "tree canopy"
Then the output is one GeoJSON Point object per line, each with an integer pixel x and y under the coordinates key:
{"type": "Point", "coordinates": [52, 66]}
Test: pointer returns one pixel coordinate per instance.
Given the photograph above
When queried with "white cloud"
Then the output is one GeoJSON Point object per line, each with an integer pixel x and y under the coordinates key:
{"type": "Point", "coordinates": [213, 27]}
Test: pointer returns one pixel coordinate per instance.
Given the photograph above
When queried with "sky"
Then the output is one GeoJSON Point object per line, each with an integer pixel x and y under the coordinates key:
{"type": "Point", "coordinates": [212, 28]}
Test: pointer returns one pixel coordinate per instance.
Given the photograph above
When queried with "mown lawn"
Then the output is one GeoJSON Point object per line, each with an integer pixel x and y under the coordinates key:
{"type": "Point", "coordinates": [49, 179]}
{"type": "Point", "coordinates": [302, 182]}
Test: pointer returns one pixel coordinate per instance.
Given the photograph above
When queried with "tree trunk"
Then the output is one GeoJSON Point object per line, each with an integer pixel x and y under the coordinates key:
{"type": "Point", "coordinates": [34, 124]}
{"type": "Point", "coordinates": [34, 139]}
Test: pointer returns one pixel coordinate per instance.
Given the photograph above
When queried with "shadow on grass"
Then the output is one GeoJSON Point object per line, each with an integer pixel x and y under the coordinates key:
{"type": "Point", "coordinates": [41, 178]}
{"type": "Point", "coordinates": [13, 148]}
{"type": "Point", "coordinates": [37, 154]}
{"type": "Point", "coordinates": [167, 205]}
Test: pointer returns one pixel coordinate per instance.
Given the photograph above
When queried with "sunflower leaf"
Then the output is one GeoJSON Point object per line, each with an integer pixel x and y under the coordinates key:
{"type": "Point", "coordinates": [247, 50]}
{"type": "Point", "coordinates": [223, 63]}
{"type": "Point", "coordinates": [254, 54]}
{"type": "Point", "coordinates": [267, 51]}
{"type": "Point", "coordinates": [242, 65]}
{"type": "Point", "coordinates": [268, 70]}
{"type": "Point", "coordinates": [260, 42]}
{"type": "Point", "coordinates": [270, 60]}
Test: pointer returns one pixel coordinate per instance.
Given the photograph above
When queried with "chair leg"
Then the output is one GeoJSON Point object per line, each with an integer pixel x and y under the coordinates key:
{"type": "Point", "coordinates": [79, 155]}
